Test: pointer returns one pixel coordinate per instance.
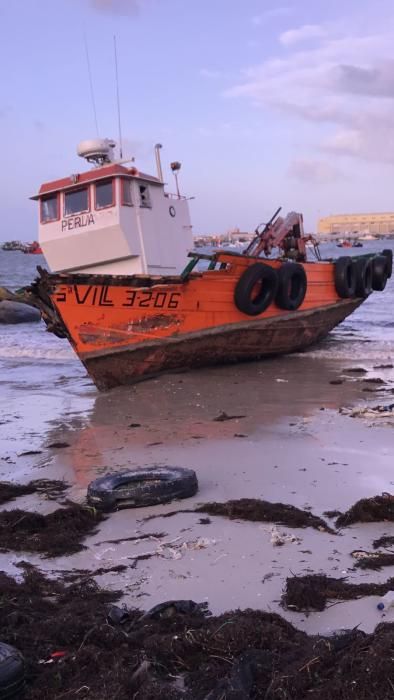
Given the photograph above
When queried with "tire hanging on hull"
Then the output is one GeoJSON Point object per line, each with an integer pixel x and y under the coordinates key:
{"type": "Point", "coordinates": [364, 277]}
{"type": "Point", "coordinates": [345, 277]}
{"type": "Point", "coordinates": [292, 286]}
{"type": "Point", "coordinates": [256, 289]}
{"type": "Point", "coordinates": [380, 272]}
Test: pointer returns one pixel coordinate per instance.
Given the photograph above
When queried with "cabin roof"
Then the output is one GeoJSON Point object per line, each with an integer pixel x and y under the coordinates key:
{"type": "Point", "coordinates": [102, 173]}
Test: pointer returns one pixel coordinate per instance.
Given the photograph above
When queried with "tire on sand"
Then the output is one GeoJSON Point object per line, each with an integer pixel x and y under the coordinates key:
{"type": "Point", "coordinates": [136, 488]}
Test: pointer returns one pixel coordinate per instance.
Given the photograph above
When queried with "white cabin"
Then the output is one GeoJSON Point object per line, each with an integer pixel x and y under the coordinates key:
{"type": "Point", "coordinates": [113, 220]}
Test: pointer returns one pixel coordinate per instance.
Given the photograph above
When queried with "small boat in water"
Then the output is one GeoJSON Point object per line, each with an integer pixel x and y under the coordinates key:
{"type": "Point", "coordinates": [122, 295]}
{"type": "Point", "coordinates": [33, 248]}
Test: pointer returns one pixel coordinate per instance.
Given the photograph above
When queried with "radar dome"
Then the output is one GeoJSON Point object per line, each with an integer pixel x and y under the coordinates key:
{"type": "Point", "coordinates": [97, 151]}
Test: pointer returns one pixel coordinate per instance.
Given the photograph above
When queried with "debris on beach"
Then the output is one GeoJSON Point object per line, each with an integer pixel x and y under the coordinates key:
{"type": "Point", "coordinates": [51, 488]}
{"type": "Point", "coordinates": [373, 560]}
{"type": "Point", "coordinates": [385, 541]}
{"type": "Point", "coordinates": [355, 370]}
{"type": "Point", "coordinates": [379, 411]}
{"type": "Point", "coordinates": [311, 592]}
{"type": "Point", "coordinates": [58, 445]}
{"type": "Point", "coordinates": [223, 416]}
{"type": "Point", "coordinates": [173, 549]}
{"type": "Point", "coordinates": [278, 539]}
{"type": "Point", "coordinates": [369, 510]}
{"type": "Point", "coordinates": [58, 533]}
{"type": "Point", "coordinates": [79, 644]}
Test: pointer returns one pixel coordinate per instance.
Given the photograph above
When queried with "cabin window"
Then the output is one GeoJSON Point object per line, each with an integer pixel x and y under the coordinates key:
{"type": "Point", "coordinates": [127, 193]}
{"type": "Point", "coordinates": [144, 196]}
{"type": "Point", "coordinates": [104, 194]}
{"type": "Point", "coordinates": [49, 208]}
{"type": "Point", "coordinates": [76, 201]}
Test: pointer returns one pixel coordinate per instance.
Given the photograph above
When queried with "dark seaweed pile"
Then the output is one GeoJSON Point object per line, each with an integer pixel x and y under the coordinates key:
{"type": "Point", "coordinates": [75, 647]}
{"type": "Point", "coordinates": [368, 510]}
{"type": "Point", "coordinates": [312, 592]}
{"type": "Point", "coordinates": [255, 510]}
{"type": "Point", "coordinates": [55, 534]}
{"type": "Point", "coordinates": [48, 487]}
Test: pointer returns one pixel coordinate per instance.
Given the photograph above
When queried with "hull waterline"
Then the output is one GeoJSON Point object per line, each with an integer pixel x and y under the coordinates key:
{"type": "Point", "coordinates": [239, 342]}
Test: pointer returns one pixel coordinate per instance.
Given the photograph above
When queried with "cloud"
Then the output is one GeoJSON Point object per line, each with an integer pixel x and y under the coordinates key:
{"type": "Point", "coordinates": [307, 31]}
{"type": "Point", "coordinates": [316, 171]}
{"type": "Point", "coordinates": [377, 81]}
{"type": "Point", "coordinates": [344, 84]}
{"type": "Point", "coordinates": [117, 7]}
{"type": "Point", "coordinates": [258, 20]}
{"type": "Point", "coordinates": [208, 73]}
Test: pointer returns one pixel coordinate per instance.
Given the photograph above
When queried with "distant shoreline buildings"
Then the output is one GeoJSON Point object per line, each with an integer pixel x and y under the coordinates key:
{"type": "Point", "coordinates": [373, 224]}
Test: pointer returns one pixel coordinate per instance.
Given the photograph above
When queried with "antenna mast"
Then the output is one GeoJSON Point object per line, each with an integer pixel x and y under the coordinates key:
{"type": "Point", "coordinates": [118, 100]}
{"type": "Point", "coordinates": [91, 84]}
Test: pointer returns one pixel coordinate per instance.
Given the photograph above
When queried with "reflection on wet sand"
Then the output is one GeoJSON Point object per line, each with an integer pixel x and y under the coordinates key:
{"type": "Point", "coordinates": [177, 408]}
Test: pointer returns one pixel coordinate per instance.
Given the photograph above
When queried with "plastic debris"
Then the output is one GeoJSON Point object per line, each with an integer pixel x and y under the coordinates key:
{"type": "Point", "coordinates": [280, 538]}
{"type": "Point", "coordinates": [379, 411]}
{"type": "Point", "coordinates": [387, 601]}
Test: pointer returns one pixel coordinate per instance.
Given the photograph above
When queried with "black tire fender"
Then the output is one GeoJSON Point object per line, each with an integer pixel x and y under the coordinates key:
{"type": "Point", "coordinates": [12, 672]}
{"type": "Point", "coordinates": [388, 253]}
{"type": "Point", "coordinates": [292, 286]}
{"type": "Point", "coordinates": [136, 488]}
{"type": "Point", "coordinates": [345, 277]}
{"type": "Point", "coordinates": [258, 273]}
{"type": "Point", "coordinates": [364, 273]}
{"type": "Point", "coordinates": [380, 268]}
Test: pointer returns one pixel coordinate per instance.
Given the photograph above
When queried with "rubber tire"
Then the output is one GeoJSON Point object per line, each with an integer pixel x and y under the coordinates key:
{"type": "Point", "coordinates": [345, 277]}
{"type": "Point", "coordinates": [258, 272]}
{"type": "Point", "coordinates": [380, 267]}
{"type": "Point", "coordinates": [290, 273]}
{"type": "Point", "coordinates": [12, 672]}
{"type": "Point", "coordinates": [136, 488]}
{"type": "Point", "coordinates": [388, 253]}
{"type": "Point", "coordinates": [364, 274]}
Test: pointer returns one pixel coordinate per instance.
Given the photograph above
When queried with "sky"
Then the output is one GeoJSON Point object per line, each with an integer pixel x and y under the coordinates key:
{"type": "Point", "coordinates": [265, 104]}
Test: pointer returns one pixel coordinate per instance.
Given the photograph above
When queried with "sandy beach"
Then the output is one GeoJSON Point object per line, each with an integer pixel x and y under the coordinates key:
{"type": "Point", "coordinates": [290, 445]}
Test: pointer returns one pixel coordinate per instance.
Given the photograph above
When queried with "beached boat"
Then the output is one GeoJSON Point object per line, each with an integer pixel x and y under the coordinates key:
{"type": "Point", "coordinates": [121, 293]}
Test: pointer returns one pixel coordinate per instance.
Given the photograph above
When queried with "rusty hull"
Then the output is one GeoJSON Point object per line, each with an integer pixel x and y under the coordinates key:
{"type": "Point", "coordinates": [249, 340]}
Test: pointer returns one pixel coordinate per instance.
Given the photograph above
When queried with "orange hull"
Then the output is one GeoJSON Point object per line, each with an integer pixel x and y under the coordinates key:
{"type": "Point", "coordinates": [124, 329]}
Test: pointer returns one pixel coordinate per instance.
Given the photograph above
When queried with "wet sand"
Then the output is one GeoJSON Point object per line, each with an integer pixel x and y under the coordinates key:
{"type": "Point", "coordinates": [292, 446]}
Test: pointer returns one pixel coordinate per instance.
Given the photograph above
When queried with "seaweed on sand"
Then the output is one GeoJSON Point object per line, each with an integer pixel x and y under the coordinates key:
{"type": "Point", "coordinates": [312, 592]}
{"type": "Point", "coordinates": [51, 488]}
{"type": "Point", "coordinates": [375, 560]}
{"type": "Point", "coordinates": [55, 534]}
{"type": "Point", "coordinates": [256, 510]}
{"type": "Point", "coordinates": [72, 651]}
{"type": "Point", "coordinates": [385, 541]}
{"type": "Point", "coordinates": [368, 510]}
